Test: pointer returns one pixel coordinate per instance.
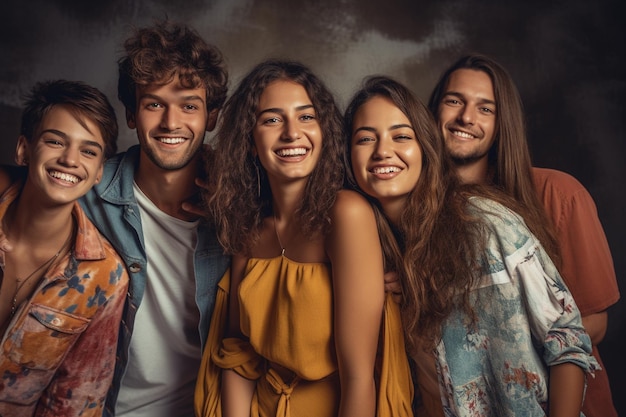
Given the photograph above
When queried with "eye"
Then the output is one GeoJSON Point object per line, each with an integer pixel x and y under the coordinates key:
{"type": "Point", "coordinates": [451, 102]}
{"type": "Point", "coordinates": [53, 142]}
{"type": "Point", "coordinates": [90, 153]}
{"type": "Point", "coordinates": [190, 107]}
{"type": "Point", "coordinates": [307, 117]}
{"type": "Point", "coordinates": [363, 140]}
{"type": "Point", "coordinates": [487, 110]}
{"type": "Point", "coordinates": [403, 137]}
{"type": "Point", "coordinates": [153, 106]}
{"type": "Point", "coordinates": [271, 120]}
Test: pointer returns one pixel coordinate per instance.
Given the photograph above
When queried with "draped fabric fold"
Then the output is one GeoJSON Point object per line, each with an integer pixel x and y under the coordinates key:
{"type": "Point", "coordinates": [393, 375]}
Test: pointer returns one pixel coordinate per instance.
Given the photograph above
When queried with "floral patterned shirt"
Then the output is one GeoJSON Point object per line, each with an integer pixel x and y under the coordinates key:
{"type": "Point", "coordinates": [526, 322]}
{"type": "Point", "coordinates": [57, 355]}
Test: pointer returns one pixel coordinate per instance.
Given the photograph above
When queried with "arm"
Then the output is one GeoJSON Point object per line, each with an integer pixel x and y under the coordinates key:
{"type": "Point", "coordinates": [567, 382]}
{"type": "Point", "coordinates": [354, 250]}
{"type": "Point", "coordinates": [237, 391]}
{"type": "Point", "coordinates": [596, 325]}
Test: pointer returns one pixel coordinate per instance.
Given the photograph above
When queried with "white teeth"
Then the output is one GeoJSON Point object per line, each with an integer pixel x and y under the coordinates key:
{"type": "Point", "coordinates": [385, 170]}
{"type": "Point", "coordinates": [291, 152]}
{"type": "Point", "coordinates": [64, 177]}
{"type": "Point", "coordinates": [463, 134]}
{"type": "Point", "coordinates": [172, 141]}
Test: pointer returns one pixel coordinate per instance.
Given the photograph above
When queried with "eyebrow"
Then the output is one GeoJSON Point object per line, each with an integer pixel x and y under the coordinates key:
{"type": "Point", "coordinates": [64, 136]}
{"type": "Point", "coordinates": [392, 127]}
{"type": "Point", "coordinates": [193, 97]}
{"type": "Point", "coordinates": [281, 111]}
{"type": "Point", "coordinates": [481, 100]}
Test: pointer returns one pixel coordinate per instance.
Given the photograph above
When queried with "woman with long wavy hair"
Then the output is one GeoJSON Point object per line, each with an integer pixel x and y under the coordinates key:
{"type": "Point", "coordinates": [490, 324]}
{"type": "Point", "coordinates": [297, 323]}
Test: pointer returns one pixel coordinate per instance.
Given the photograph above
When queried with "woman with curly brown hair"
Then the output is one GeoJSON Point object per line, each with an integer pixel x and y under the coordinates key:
{"type": "Point", "coordinates": [488, 320]}
{"type": "Point", "coordinates": [306, 282]}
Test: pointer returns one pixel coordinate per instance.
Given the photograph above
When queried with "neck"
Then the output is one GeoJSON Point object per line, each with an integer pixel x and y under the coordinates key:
{"type": "Point", "coordinates": [168, 189]}
{"type": "Point", "coordinates": [476, 172]}
{"type": "Point", "coordinates": [393, 209]}
{"type": "Point", "coordinates": [286, 198]}
{"type": "Point", "coordinates": [31, 223]}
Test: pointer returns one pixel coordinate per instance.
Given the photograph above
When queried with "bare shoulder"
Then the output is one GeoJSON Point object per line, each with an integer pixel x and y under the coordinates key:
{"type": "Point", "coordinates": [351, 204]}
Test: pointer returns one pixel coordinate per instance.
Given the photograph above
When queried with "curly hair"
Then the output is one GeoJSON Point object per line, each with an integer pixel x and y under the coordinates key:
{"type": "Point", "coordinates": [510, 155]}
{"type": "Point", "coordinates": [157, 54]}
{"type": "Point", "coordinates": [82, 100]}
{"type": "Point", "coordinates": [437, 272]}
{"type": "Point", "coordinates": [239, 195]}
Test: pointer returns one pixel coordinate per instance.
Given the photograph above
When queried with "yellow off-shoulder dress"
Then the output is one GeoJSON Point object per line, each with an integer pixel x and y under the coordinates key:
{"type": "Point", "coordinates": [286, 312]}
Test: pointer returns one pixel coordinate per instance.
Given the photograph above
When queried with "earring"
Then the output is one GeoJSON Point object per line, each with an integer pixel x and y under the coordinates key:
{"type": "Point", "coordinates": [258, 178]}
{"type": "Point", "coordinates": [25, 162]}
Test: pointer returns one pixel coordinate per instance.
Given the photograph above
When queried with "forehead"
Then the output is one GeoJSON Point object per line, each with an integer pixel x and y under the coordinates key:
{"type": "Point", "coordinates": [70, 122]}
{"type": "Point", "coordinates": [470, 83]}
{"type": "Point", "coordinates": [171, 91]}
{"type": "Point", "coordinates": [380, 110]}
{"type": "Point", "coordinates": [283, 94]}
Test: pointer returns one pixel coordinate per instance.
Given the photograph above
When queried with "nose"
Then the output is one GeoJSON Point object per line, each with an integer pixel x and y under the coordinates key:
{"type": "Point", "coordinates": [383, 149]}
{"type": "Point", "coordinates": [467, 115]}
{"type": "Point", "coordinates": [169, 120]}
{"type": "Point", "coordinates": [69, 157]}
{"type": "Point", "coordinates": [291, 132]}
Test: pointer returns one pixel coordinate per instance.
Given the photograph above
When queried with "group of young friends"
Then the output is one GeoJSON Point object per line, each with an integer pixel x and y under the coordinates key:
{"type": "Point", "coordinates": [396, 260]}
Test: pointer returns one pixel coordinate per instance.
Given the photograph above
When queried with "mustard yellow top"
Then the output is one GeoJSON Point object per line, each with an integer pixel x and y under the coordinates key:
{"type": "Point", "coordinates": [286, 311]}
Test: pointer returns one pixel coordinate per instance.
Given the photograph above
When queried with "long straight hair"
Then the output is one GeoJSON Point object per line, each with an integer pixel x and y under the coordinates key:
{"type": "Point", "coordinates": [509, 156]}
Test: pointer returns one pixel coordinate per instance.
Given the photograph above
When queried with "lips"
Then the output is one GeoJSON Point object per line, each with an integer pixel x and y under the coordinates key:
{"type": "Point", "coordinates": [171, 141]}
{"type": "Point", "coordinates": [291, 152]}
{"type": "Point", "coordinates": [385, 170]}
{"type": "Point", "coordinates": [63, 176]}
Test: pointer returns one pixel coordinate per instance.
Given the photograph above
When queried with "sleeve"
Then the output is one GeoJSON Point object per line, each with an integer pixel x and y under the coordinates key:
{"type": "Point", "coordinates": [81, 383]}
{"type": "Point", "coordinates": [221, 354]}
{"type": "Point", "coordinates": [553, 315]}
{"type": "Point", "coordinates": [587, 263]}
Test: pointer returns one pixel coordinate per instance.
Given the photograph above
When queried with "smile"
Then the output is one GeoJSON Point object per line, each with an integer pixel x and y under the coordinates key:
{"type": "Point", "coordinates": [291, 152]}
{"type": "Point", "coordinates": [463, 135]}
{"type": "Point", "coordinates": [64, 177]}
{"type": "Point", "coordinates": [171, 141]}
{"type": "Point", "coordinates": [385, 170]}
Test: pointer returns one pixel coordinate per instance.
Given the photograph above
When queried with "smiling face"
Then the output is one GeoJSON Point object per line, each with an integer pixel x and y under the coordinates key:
{"type": "Point", "coordinates": [287, 135]}
{"type": "Point", "coordinates": [467, 116]}
{"type": "Point", "coordinates": [64, 158]}
{"type": "Point", "coordinates": [171, 121]}
{"type": "Point", "coordinates": [386, 156]}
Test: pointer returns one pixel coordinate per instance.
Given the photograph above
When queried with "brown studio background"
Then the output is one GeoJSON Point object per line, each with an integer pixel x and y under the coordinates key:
{"type": "Point", "coordinates": [567, 58]}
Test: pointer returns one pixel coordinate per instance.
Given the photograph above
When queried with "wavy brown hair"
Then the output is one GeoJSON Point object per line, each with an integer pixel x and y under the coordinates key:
{"type": "Point", "coordinates": [510, 155]}
{"type": "Point", "coordinates": [157, 54]}
{"type": "Point", "coordinates": [434, 268]}
{"type": "Point", "coordinates": [239, 196]}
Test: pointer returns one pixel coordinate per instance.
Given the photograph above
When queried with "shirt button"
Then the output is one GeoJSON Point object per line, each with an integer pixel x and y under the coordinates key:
{"type": "Point", "coordinates": [134, 268]}
{"type": "Point", "coordinates": [56, 321]}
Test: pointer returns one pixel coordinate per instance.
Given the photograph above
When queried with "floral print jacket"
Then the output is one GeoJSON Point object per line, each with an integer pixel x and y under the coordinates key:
{"type": "Point", "coordinates": [526, 322]}
{"type": "Point", "coordinates": [57, 355]}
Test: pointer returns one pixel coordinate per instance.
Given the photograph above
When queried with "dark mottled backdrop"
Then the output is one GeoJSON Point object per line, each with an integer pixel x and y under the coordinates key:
{"type": "Point", "coordinates": [567, 58]}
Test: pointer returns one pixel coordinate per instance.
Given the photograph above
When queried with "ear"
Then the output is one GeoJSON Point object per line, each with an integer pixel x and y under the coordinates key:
{"type": "Point", "coordinates": [22, 153]}
{"type": "Point", "coordinates": [130, 119]}
{"type": "Point", "coordinates": [211, 121]}
{"type": "Point", "coordinates": [99, 174]}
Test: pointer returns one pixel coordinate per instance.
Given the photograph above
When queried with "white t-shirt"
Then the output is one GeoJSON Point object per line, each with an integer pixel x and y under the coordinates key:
{"type": "Point", "coordinates": [165, 348]}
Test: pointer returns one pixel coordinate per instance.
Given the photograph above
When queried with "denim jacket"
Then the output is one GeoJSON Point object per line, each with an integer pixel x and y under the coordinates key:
{"type": "Point", "coordinates": [112, 207]}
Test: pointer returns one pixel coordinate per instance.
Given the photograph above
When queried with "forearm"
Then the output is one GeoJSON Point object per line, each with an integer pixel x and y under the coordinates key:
{"type": "Point", "coordinates": [358, 397]}
{"type": "Point", "coordinates": [237, 393]}
{"type": "Point", "coordinates": [567, 382]}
